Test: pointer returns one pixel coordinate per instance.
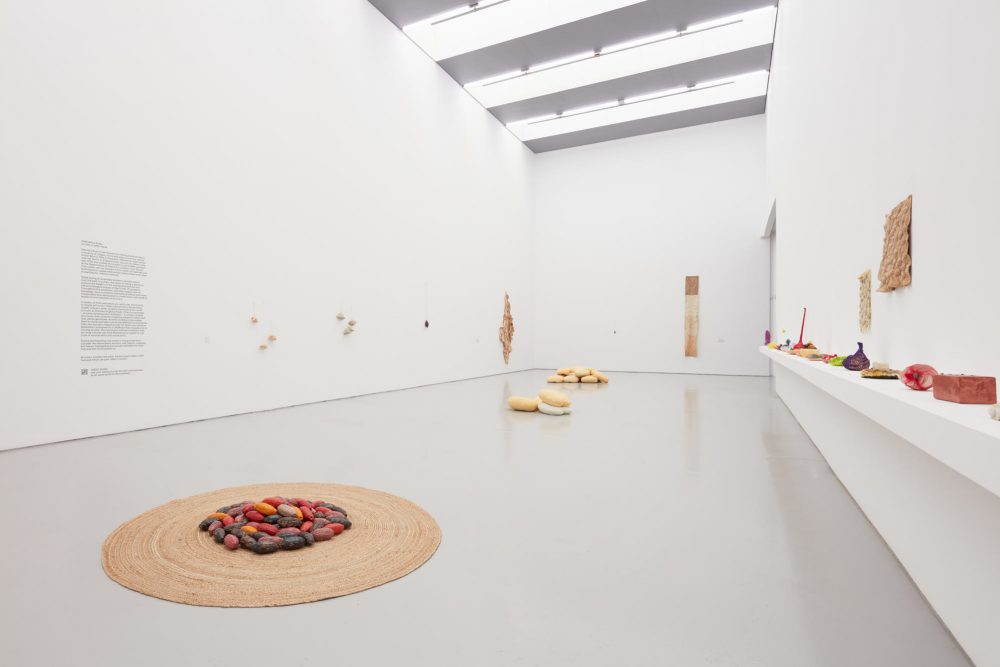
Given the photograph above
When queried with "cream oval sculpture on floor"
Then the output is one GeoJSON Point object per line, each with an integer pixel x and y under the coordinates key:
{"type": "Point", "coordinates": [162, 553]}
{"type": "Point", "coordinates": [547, 409]}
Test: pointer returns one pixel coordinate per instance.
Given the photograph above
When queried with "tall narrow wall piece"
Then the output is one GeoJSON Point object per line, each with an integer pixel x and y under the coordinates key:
{"type": "Point", "coordinates": [895, 268]}
{"type": "Point", "coordinates": [506, 328]}
{"type": "Point", "coordinates": [691, 316]}
{"type": "Point", "coordinates": [865, 302]}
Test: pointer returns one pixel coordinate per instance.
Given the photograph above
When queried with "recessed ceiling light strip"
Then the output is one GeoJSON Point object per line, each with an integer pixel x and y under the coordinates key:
{"type": "Point", "coordinates": [623, 102]}
{"type": "Point", "coordinates": [471, 8]}
{"type": "Point", "coordinates": [617, 48]}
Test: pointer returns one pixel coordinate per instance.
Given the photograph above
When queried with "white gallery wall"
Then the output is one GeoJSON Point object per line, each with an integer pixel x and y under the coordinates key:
{"type": "Point", "coordinates": [618, 227]}
{"type": "Point", "coordinates": [287, 159]}
{"type": "Point", "coordinates": [870, 102]}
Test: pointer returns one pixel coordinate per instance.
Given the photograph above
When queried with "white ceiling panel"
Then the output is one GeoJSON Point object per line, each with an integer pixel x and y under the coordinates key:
{"type": "Point", "coordinates": [495, 22]}
{"type": "Point", "coordinates": [655, 104]}
{"type": "Point", "coordinates": [560, 73]}
{"type": "Point", "coordinates": [755, 29]}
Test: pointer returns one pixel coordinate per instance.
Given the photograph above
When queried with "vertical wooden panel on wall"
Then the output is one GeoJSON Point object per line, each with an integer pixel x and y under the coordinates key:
{"type": "Point", "coordinates": [691, 316]}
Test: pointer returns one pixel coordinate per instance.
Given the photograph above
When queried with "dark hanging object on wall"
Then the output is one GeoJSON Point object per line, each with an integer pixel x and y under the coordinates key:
{"type": "Point", "coordinates": [426, 324]}
{"type": "Point", "coordinates": [857, 361]}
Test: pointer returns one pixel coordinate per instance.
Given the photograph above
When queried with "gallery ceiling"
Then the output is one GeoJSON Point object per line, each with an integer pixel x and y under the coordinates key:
{"type": "Point", "coordinates": [562, 73]}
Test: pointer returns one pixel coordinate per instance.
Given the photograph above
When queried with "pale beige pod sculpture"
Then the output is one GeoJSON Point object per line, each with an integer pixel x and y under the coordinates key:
{"type": "Point", "coordinates": [262, 346]}
{"type": "Point", "coordinates": [555, 378]}
{"type": "Point", "coordinates": [523, 404]}
{"type": "Point", "coordinates": [581, 371]}
{"type": "Point", "coordinates": [599, 375]}
{"type": "Point", "coordinates": [341, 316]}
{"type": "Point", "coordinates": [554, 398]}
{"type": "Point", "coordinates": [589, 379]}
{"type": "Point", "coordinates": [547, 409]}
{"type": "Point", "coordinates": [564, 371]}
{"type": "Point", "coordinates": [571, 378]}
{"type": "Point", "coordinates": [352, 322]}
{"type": "Point", "coordinates": [272, 338]}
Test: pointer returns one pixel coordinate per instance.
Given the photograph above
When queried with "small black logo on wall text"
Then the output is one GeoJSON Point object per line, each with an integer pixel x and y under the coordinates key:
{"type": "Point", "coordinates": [83, 371]}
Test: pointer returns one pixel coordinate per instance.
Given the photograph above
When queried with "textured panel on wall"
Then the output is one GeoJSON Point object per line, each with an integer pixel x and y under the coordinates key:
{"type": "Point", "coordinates": [691, 316]}
{"type": "Point", "coordinates": [865, 302]}
{"type": "Point", "coordinates": [895, 268]}
{"type": "Point", "coordinates": [506, 329]}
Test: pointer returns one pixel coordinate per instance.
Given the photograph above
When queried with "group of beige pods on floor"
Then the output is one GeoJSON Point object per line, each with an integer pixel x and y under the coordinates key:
{"type": "Point", "coordinates": [578, 374]}
{"type": "Point", "coordinates": [548, 401]}
{"type": "Point", "coordinates": [553, 402]}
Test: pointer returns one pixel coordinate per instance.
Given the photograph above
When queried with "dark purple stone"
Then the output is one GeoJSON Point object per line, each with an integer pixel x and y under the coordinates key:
{"type": "Point", "coordinates": [857, 361]}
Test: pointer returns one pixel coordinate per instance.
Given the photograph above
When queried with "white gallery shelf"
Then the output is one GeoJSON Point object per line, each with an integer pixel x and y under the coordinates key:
{"type": "Point", "coordinates": [962, 437]}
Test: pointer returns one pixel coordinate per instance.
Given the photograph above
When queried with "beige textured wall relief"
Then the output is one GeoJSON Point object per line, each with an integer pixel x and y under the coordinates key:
{"type": "Point", "coordinates": [506, 329]}
{"type": "Point", "coordinates": [865, 301]}
{"type": "Point", "coordinates": [691, 316]}
{"type": "Point", "coordinates": [895, 268]}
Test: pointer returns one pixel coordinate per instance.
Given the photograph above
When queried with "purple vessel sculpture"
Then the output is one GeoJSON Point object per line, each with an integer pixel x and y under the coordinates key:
{"type": "Point", "coordinates": [767, 336]}
{"type": "Point", "coordinates": [857, 361]}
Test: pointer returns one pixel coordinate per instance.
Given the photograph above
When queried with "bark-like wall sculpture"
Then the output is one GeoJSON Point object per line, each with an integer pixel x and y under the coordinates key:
{"type": "Point", "coordinates": [691, 316]}
{"type": "Point", "coordinates": [865, 302]}
{"type": "Point", "coordinates": [506, 329]}
{"type": "Point", "coordinates": [895, 268]}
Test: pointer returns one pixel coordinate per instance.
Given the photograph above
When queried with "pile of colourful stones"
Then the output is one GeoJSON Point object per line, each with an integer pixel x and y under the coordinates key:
{"type": "Point", "coordinates": [275, 523]}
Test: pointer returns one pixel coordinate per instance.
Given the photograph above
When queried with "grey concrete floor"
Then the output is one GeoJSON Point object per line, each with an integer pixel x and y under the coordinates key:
{"type": "Point", "coordinates": [671, 520]}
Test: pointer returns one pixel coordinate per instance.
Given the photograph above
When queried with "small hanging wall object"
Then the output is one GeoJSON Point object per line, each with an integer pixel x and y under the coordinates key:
{"type": "Point", "coordinates": [253, 319]}
{"type": "Point", "coordinates": [272, 338]}
{"type": "Point", "coordinates": [341, 316]}
{"type": "Point", "coordinates": [348, 329]}
{"type": "Point", "coordinates": [426, 324]}
{"type": "Point", "coordinates": [262, 346]}
{"type": "Point", "coordinates": [351, 323]}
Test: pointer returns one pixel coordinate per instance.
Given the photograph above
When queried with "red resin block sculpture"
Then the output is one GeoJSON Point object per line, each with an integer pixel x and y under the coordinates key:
{"type": "Point", "coordinates": [965, 389]}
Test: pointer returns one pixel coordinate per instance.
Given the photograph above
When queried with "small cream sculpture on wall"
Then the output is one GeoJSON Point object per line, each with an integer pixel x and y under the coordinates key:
{"type": "Point", "coordinates": [894, 270]}
{"type": "Point", "coordinates": [270, 338]}
{"type": "Point", "coordinates": [865, 302]}
{"type": "Point", "coordinates": [349, 329]}
{"type": "Point", "coordinates": [506, 329]}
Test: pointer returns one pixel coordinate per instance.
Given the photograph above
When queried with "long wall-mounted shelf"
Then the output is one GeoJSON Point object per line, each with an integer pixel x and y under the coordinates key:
{"type": "Point", "coordinates": [962, 437]}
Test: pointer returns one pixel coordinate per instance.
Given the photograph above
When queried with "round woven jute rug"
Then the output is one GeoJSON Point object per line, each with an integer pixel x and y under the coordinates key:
{"type": "Point", "coordinates": [162, 552]}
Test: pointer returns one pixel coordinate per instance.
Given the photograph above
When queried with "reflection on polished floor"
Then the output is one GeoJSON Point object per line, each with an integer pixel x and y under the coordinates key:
{"type": "Point", "coordinates": [671, 520]}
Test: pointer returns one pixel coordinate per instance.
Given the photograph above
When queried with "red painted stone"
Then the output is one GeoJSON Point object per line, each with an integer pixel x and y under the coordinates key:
{"type": "Point", "coordinates": [307, 512]}
{"type": "Point", "coordinates": [323, 534]}
{"type": "Point", "coordinates": [976, 389]}
{"type": "Point", "coordinates": [268, 528]}
{"type": "Point", "coordinates": [232, 542]}
{"type": "Point", "coordinates": [254, 515]}
{"type": "Point", "coordinates": [306, 526]}
{"type": "Point", "coordinates": [337, 528]}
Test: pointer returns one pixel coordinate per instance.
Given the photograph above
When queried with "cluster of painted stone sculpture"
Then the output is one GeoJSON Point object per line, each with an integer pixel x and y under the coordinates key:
{"type": "Point", "coordinates": [275, 523]}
